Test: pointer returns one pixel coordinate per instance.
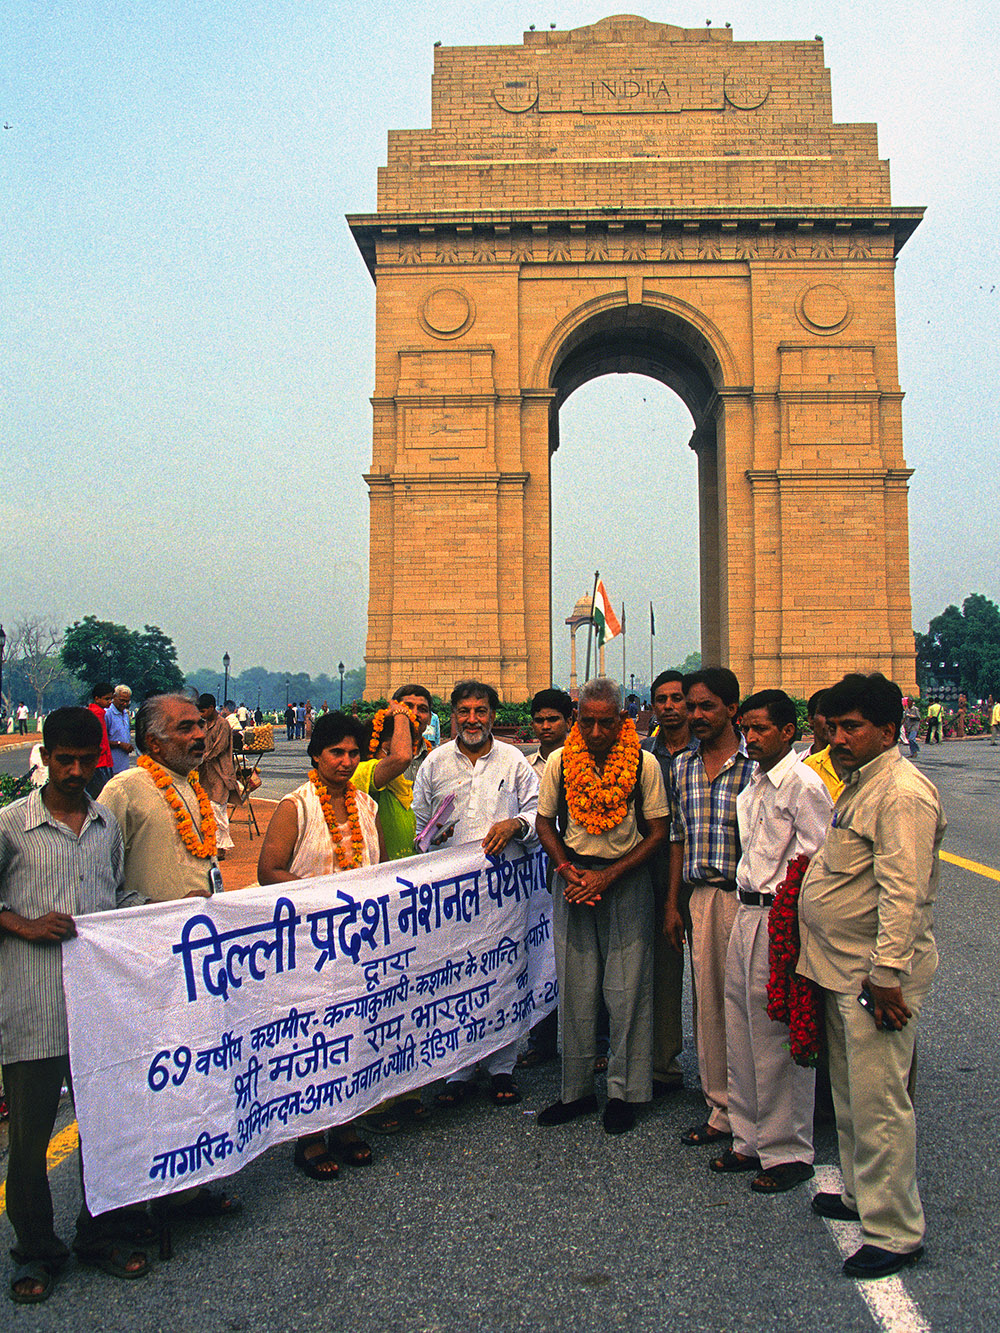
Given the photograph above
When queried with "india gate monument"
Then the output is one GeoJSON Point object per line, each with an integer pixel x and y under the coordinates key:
{"type": "Point", "coordinates": [637, 197]}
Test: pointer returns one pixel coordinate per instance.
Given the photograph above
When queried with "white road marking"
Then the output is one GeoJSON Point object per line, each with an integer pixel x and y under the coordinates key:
{"type": "Point", "coordinates": [888, 1301]}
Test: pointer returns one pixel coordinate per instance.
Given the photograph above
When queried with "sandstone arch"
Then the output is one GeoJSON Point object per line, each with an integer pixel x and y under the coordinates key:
{"type": "Point", "coordinates": [637, 196]}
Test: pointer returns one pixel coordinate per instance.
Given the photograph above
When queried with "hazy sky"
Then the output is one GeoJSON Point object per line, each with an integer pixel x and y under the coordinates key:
{"type": "Point", "coordinates": [186, 325]}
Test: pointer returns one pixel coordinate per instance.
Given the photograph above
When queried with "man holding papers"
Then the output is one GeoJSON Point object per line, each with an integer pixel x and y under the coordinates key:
{"type": "Point", "coordinates": [495, 793]}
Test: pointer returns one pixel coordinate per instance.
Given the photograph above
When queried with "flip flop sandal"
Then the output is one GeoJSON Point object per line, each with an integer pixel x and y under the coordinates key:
{"type": "Point", "coordinates": [698, 1135]}
{"type": "Point", "coordinates": [34, 1271]}
{"type": "Point", "coordinates": [208, 1203]}
{"type": "Point", "coordinates": [785, 1176]}
{"type": "Point", "coordinates": [413, 1111]}
{"type": "Point", "coordinates": [114, 1261]}
{"type": "Point", "coordinates": [318, 1165]}
{"type": "Point", "coordinates": [455, 1093]}
{"type": "Point", "coordinates": [503, 1090]}
{"type": "Point", "coordinates": [731, 1161]}
{"type": "Point", "coordinates": [354, 1152]}
{"type": "Point", "coordinates": [384, 1122]}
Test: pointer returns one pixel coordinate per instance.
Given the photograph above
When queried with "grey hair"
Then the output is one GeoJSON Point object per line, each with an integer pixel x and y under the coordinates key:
{"type": "Point", "coordinates": [602, 689]}
{"type": "Point", "coordinates": [149, 718]}
{"type": "Point", "coordinates": [124, 689]}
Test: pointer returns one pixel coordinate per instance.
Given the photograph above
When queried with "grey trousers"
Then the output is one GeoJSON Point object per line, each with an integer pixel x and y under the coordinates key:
{"type": "Point", "coordinates": [606, 950]}
{"type": "Point", "coordinates": [33, 1088]}
{"type": "Point", "coordinates": [770, 1096]}
{"type": "Point", "coordinates": [668, 990]}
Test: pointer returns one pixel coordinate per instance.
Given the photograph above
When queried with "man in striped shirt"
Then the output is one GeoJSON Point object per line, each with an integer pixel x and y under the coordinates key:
{"type": "Point", "coordinates": [704, 854]}
{"type": "Point", "coordinates": [61, 855]}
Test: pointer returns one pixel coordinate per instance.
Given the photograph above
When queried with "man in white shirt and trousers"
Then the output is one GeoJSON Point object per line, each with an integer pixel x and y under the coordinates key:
{"type": "Point", "coordinates": [783, 812]}
{"type": "Point", "coordinates": [496, 794]}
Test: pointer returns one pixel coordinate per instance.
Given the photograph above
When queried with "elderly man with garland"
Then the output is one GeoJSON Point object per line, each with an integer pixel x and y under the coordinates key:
{"type": "Point", "coordinates": [169, 829]}
{"type": "Point", "coordinates": [602, 814]}
{"type": "Point", "coordinates": [495, 793]}
{"type": "Point", "coordinates": [867, 938]}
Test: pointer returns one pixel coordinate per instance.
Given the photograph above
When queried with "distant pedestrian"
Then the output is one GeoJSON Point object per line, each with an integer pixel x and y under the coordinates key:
{"type": "Point", "coordinates": [21, 718]}
{"type": "Point", "coordinates": [300, 721]}
{"type": "Point", "coordinates": [100, 701]}
{"type": "Point", "coordinates": [935, 719]}
{"type": "Point", "coordinates": [911, 725]}
{"type": "Point", "coordinates": [119, 725]}
{"type": "Point", "coordinates": [995, 723]}
{"type": "Point", "coordinates": [290, 721]}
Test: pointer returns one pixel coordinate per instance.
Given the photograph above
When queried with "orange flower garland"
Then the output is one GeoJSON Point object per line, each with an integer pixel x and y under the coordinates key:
{"type": "Point", "coordinates": [351, 802]}
{"type": "Point", "coordinates": [205, 845]}
{"type": "Point", "coordinates": [599, 801]}
{"type": "Point", "coordinates": [379, 722]}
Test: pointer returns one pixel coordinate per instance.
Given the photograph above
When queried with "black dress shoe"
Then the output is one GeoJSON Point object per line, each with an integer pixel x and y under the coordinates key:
{"type": "Point", "coordinates": [619, 1116]}
{"type": "Point", "coordinates": [832, 1205]}
{"type": "Point", "coordinates": [873, 1261]}
{"type": "Point", "coordinates": [561, 1113]}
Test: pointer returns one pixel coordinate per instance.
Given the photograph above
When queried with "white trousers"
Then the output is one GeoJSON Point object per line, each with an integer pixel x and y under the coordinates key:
{"type": "Point", "coordinates": [223, 838]}
{"type": "Point", "coordinates": [770, 1096]}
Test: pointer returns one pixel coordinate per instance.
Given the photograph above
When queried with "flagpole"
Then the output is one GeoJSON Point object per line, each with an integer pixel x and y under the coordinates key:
{"type": "Point", "coordinates": [652, 632]}
{"type": "Point", "coordinates": [623, 651]}
{"type": "Point", "coordinates": [590, 624]}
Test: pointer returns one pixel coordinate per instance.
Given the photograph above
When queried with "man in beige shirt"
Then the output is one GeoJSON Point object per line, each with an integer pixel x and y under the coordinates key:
{"type": "Point", "coordinates": [169, 731]}
{"type": "Point", "coordinates": [866, 928]}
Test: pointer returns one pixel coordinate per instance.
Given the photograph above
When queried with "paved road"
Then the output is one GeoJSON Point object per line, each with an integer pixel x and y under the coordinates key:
{"type": "Point", "coordinates": [484, 1222]}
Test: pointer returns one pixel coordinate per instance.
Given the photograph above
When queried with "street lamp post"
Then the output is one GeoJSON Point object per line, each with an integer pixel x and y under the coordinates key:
{"type": "Point", "coordinates": [225, 688]}
{"type": "Point", "coordinates": [287, 683]}
{"type": "Point", "coordinates": [3, 645]}
{"type": "Point", "coordinates": [340, 668]}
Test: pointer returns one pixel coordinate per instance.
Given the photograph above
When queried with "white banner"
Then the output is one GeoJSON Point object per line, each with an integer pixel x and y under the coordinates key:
{"type": "Point", "coordinates": [204, 1031]}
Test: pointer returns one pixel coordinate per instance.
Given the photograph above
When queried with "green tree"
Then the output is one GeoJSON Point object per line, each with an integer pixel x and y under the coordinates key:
{"type": "Point", "coordinates": [962, 648]}
{"type": "Point", "coordinates": [146, 661]}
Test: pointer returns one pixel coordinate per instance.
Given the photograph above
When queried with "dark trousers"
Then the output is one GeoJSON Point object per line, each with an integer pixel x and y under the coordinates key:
{"type": "Point", "coordinates": [33, 1088]}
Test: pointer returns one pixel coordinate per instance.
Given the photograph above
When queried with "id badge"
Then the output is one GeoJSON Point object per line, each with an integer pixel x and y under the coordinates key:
{"type": "Point", "coordinates": [215, 880]}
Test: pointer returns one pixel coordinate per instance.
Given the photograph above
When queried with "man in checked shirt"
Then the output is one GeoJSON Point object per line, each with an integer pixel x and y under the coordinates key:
{"type": "Point", "coordinates": [704, 854]}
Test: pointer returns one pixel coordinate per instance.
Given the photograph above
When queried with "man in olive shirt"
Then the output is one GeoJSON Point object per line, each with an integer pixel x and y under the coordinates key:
{"type": "Point", "coordinates": [866, 928]}
{"type": "Point", "coordinates": [602, 903]}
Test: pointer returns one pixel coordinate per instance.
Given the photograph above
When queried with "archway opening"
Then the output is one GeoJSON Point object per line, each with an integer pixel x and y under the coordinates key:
{"type": "Point", "coordinates": [624, 489]}
{"type": "Point", "coordinates": [634, 387]}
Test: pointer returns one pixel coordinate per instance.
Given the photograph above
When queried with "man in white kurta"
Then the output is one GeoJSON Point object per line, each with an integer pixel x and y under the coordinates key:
{"type": "Point", "coordinates": [496, 794]}
{"type": "Point", "coordinates": [783, 812]}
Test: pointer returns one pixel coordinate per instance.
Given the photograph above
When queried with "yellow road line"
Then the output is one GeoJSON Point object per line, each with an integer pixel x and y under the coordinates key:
{"type": "Point", "coordinates": [976, 867]}
{"type": "Point", "coordinates": [65, 1142]}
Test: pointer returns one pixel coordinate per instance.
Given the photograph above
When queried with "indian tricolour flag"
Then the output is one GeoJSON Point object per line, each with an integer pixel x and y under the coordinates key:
{"type": "Point", "coordinates": [606, 623]}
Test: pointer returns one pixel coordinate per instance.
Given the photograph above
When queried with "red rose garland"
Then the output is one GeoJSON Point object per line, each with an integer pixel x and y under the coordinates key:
{"type": "Point", "coordinates": [791, 998]}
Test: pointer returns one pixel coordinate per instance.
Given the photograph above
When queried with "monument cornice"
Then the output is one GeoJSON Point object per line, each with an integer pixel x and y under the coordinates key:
{"type": "Point", "coordinates": [861, 219]}
{"type": "Point", "coordinates": [433, 479]}
{"type": "Point", "coordinates": [856, 478]}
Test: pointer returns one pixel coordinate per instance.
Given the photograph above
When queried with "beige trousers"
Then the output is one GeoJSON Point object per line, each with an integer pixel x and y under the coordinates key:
{"type": "Point", "coordinates": [876, 1125]}
{"type": "Point", "coordinates": [713, 912]}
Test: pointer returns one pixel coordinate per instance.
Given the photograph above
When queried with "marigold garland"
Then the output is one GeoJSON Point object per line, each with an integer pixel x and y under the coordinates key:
{"type": "Point", "coordinates": [379, 722]}
{"type": "Point", "coordinates": [599, 801]}
{"type": "Point", "coordinates": [351, 802]}
{"type": "Point", "coordinates": [791, 998]}
{"type": "Point", "coordinates": [163, 778]}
